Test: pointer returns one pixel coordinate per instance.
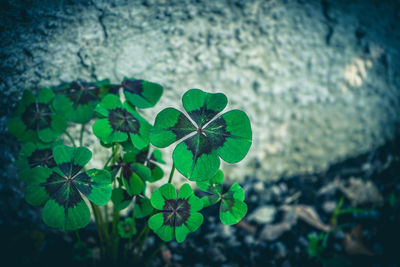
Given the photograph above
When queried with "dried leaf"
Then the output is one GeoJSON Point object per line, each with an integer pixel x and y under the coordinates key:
{"type": "Point", "coordinates": [309, 215]}
{"type": "Point", "coordinates": [353, 243]}
{"type": "Point", "coordinates": [360, 192]}
{"type": "Point", "coordinates": [246, 226]}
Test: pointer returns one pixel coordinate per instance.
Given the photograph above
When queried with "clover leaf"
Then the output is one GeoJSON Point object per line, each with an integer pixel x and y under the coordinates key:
{"type": "Point", "coordinates": [150, 160]}
{"type": "Point", "coordinates": [78, 101]}
{"type": "Point", "coordinates": [132, 174]}
{"type": "Point", "coordinates": [120, 122]}
{"type": "Point", "coordinates": [233, 208]}
{"type": "Point", "coordinates": [35, 118]}
{"type": "Point", "coordinates": [178, 214]}
{"type": "Point", "coordinates": [197, 155]}
{"type": "Point", "coordinates": [32, 155]}
{"type": "Point", "coordinates": [126, 228]}
{"type": "Point", "coordinates": [62, 187]}
{"type": "Point", "coordinates": [142, 207]}
{"type": "Point", "coordinates": [120, 198]}
{"type": "Point", "coordinates": [140, 93]}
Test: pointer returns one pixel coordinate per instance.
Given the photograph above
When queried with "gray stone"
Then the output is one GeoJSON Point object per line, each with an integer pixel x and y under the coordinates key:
{"type": "Point", "coordinates": [262, 215]}
{"type": "Point", "coordinates": [318, 79]}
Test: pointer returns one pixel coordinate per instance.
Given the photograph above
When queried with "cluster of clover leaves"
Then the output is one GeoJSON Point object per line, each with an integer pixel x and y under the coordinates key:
{"type": "Point", "coordinates": [56, 177]}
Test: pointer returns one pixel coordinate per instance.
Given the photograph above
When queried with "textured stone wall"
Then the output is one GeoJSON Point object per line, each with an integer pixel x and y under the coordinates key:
{"type": "Point", "coordinates": [318, 79]}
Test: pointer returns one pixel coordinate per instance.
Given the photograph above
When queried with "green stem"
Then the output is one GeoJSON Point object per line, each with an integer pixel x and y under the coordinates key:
{"type": "Point", "coordinates": [114, 236]}
{"type": "Point", "coordinates": [139, 236]}
{"type": "Point", "coordinates": [70, 138]}
{"type": "Point", "coordinates": [78, 238]}
{"type": "Point", "coordinates": [99, 227]}
{"type": "Point", "coordinates": [144, 240]}
{"type": "Point", "coordinates": [171, 174]}
{"type": "Point", "coordinates": [114, 152]}
{"type": "Point", "coordinates": [155, 252]}
{"type": "Point", "coordinates": [81, 135]}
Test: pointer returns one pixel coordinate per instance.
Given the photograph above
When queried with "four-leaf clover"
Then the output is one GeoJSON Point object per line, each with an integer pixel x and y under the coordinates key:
{"type": "Point", "coordinates": [119, 123]}
{"type": "Point", "coordinates": [178, 214]}
{"type": "Point", "coordinates": [233, 208]}
{"type": "Point", "coordinates": [35, 118]}
{"type": "Point", "coordinates": [140, 93]}
{"type": "Point", "coordinates": [78, 100]}
{"type": "Point", "coordinates": [126, 228]}
{"type": "Point", "coordinates": [61, 188]}
{"type": "Point", "coordinates": [197, 155]}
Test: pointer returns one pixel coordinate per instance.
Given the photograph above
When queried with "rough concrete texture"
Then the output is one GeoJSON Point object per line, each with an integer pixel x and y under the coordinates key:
{"type": "Point", "coordinates": [318, 79]}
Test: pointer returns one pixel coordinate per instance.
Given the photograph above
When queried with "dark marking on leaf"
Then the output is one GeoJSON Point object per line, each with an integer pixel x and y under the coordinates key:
{"type": "Point", "coordinates": [198, 149]}
{"type": "Point", "coordinates": [85, 180]}
{"type": "Point", "coordinates": [217, 136]}
{"type": "Point", "coordinates": [182, 127]}
{"type": "Point", "coordinates": [69, 168]}
{"type": "Point", "coordinates": [41, 157]}
{"type": "Point", "coordinates": [81, 93]}
{"type": "Point", "coordinates": [176, 212]}
{"type": "Point", "coordinates": [202, 115]}
{"type": "Point", "coordinates": [134, 87]}
{"type": "Point", "coordinates": [123, 121]}
{"type": "Point", "coordinates": [53, 183]}
{"type": "Point", "coordinates": [37, 116]}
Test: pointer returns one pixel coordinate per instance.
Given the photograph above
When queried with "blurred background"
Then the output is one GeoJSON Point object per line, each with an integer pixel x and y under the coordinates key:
{"type": "Point", "coordinates": [319, 80]}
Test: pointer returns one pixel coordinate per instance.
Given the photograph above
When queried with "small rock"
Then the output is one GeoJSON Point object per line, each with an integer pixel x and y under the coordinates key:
{"type": "Point", "coordinates": [262, 215]}
{"type": "Point", "coordinates": [329, 206]}
{"type": "Point", "coordinates": [281, 250]}
{"type": "Point", "coordinates": [273, 231]}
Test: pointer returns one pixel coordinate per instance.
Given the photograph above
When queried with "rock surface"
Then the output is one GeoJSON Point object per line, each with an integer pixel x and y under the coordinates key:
{"type": "Point", "coordinates": [319, 79]}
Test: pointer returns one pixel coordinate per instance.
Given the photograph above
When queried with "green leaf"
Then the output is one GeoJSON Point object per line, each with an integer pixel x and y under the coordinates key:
{"type": "Point", "coordinates": [142, 171]}
{"type": "Point", "coordinates": [196, 159]}
{"type": "Point", "coordinates": [134, 185]}
{"type": "Point", "coordinates": [120, 123]}
{"type": "Point", "coordinates": [233, 208]}
{"type": "Point", "coordinates": [202, 106]}
{"type": "Point", "coordinates": [142, 207]}
{"type": "Point", "coordinates": [36, 194]}
{"type": "Point", "coordinates": [140, 93]}
{"type": "Point", "coordinates": [159, 196]}
{"type": "Point", "coordinates": [170, 125]}
{"type": "Point", "coordinates": [35, 119]}
{"type": "Point", "coordinates": [66, 209]}
{"type": "Point", "coordinates": [71, 160]}
{"type": "Point", "coordinates": [127, 228]}
{"type": "Point", "coordinates": [120, 198]}
{"type": "Point", "coordinates": [60, 188]}
{"type": "Point", "coordinates": [95, 185]}
{"type": "Point", "coordinates": [231, 135]}
{"type": "Point", "coordinates": [179, 213]}
{"type": "Point", "coordinates": [213, 185]}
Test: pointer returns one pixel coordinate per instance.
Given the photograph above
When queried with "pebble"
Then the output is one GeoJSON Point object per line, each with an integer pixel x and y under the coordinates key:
{"type": "Point", "coordinates": [263, 215]}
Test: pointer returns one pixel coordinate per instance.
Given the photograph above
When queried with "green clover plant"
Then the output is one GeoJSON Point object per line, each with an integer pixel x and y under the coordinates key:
{"type": "Point", "coordinates": [52, 165]}
{"type": "Point", "coordinates": [35, 118]}
{"type": "Point", "coordinates": [202, 144]}
{"type": "Point", "coordinates": [233, 208]}
{"type": "Point", "coordinates": [179, 214]}
{"type": "Point", "coordinates": [61, 187]}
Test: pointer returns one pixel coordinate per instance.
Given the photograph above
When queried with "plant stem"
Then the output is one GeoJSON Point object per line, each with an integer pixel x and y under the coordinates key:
{"type": "Point", "coordinates": [70, 138]}
{"type": "Point", "coordinates": [155, 252]}
{"type": "Point", "coordinates": [114, 236]}
{"type": "Point", "coordinates": [81, 135]}
{"type": "Point", "coordinates": [139, 236]}
{"type": "Point", "coordinates": [78, 238]}
{"type": "Point", "coordinates": [144, 239]}
{"type": "Point", "coordinates": [99, 227]}
{"type": "Point", "coordinates": [114, 152]}
{"type": "Point", "coordinates": [171, 174]}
